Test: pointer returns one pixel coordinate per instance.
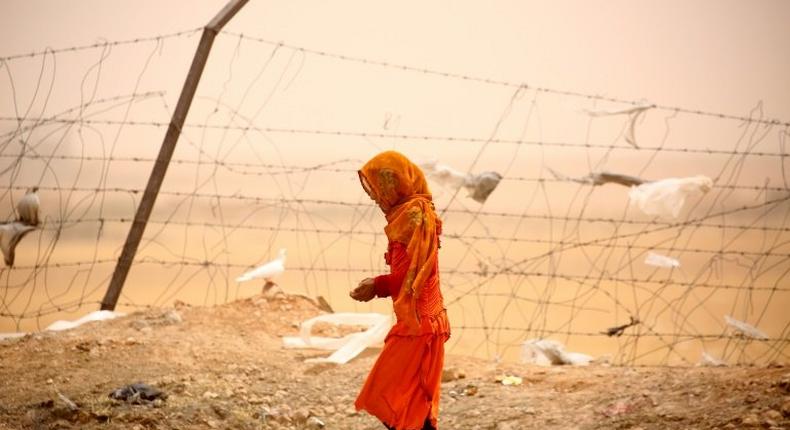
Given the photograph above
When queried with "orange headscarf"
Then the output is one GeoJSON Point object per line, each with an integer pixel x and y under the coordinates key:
{"type": "Point", "coordinates": [394, 180]}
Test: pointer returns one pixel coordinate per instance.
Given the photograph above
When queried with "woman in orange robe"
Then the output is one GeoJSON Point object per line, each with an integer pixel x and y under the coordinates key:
{"type": "Point", "coordinates": [402, 390]}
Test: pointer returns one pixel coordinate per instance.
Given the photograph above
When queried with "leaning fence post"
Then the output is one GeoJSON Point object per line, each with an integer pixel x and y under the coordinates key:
{"type": "Point", "coordinates": [166, 152]}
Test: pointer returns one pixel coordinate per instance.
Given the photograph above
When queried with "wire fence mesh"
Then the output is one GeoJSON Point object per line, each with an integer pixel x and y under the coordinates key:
{"type": "Point", "coordinates": [268, 156]}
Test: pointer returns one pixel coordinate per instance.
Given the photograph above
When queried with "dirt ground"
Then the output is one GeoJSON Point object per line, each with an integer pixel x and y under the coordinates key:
{"type": "Point", "coordinates": [224, 368]}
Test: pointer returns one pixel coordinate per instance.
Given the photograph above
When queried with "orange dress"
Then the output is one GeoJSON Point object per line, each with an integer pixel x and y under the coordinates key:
{"type": "Point", "coordinates": [402, 389]}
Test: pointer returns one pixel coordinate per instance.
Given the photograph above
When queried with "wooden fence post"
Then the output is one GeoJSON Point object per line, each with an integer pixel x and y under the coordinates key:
{"type": "Point", "coordinates": [166, 153]}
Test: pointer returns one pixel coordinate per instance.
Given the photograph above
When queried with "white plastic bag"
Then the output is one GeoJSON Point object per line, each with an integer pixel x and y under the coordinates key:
{"type": "Point", "coordinates": [667, 196]}
{"type": "Point", "coordinates": [479, 186]}
{"type": "Point", "coordinates": [710, 361]}
{"type": "Point", "coordinates": [745, 329]}
{"type": "Point", "coordinates": [346, 347]}
{"type": "Point", "coordinates": [61, 325]}
{"type": "Point", "coordinates": [93, 316]}
{"type": "Point", "coordinates": [659, 260]}
{"type": "Point", "coordinates": [443, 174]}
{"type": "Point", "coordinates": [545, 352]}
{"type": "Point", "coordinates": [12, 335]}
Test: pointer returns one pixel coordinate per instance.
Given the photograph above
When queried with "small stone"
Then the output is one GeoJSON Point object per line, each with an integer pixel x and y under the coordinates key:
{"type": "Point", "coordinates": [167, 380]}
{"type": "Point", "coordinates": [140, 324]}
{"type": "Point", "coordinates": [301, 415]}
{"type": "Point", "coordinates": [783, 385]}
{"type": "Point", "coordinates": [50, 381]}
{"type": "Point", "coordinates": [221, 412]}
{"type": "Point", "coordinates": [263, 414]}
{"type": "Point", "coordinates": [505, 425]}
{"type": "Point", "coordinates": [452, 374]}
{"type": "Point", "coordinates": [750, 420]}
{"type": "Point", "coordinates": [210, 395]}
{"type": "Point", "coordinates": [172, 317]}
{"type": "Point", "coordinates": [314, 423]}
{"type": "Point", "coordinates": [283, 413]}
{"type": "Point", "coordinates": [773, 415]}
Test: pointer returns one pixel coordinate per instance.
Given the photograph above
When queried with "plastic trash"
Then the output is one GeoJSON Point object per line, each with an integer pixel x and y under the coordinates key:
{"type": "Point", "coordinates": [138, 393]}
{"type": "Point", "coordinates": [659, 260]}
{"type": "Point", "coordinates": [10, 235]}
{"type": "Point", "coordinates": [61, 325]}
{"type": "Point", "coordinates": [346, 347]}
{"type": "Point", "coordinates": [93, 316]}
{"type": "Point", "coordinates": [5, 336]}
{"type": "Point", "coordinates": [510, 380]}
{"type": "Point", "coordinates": [745, 329]}
{"type": "Point", "coordinates": [667, 196]}
{"type": "Point", "coordinates": [480, 186]}
{"type": "Point", "coordinates": [545, 352]}
{"type": "Point", "coordinates": [444, 175]}
{"type": "Point", "coordinates": [268, 271]}
{"type": "Point", "coordinates": [711, 361]}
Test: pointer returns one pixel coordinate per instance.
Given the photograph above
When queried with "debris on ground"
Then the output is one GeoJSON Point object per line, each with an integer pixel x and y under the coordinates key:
{"type": "Point", "coordinates": [138, 393]}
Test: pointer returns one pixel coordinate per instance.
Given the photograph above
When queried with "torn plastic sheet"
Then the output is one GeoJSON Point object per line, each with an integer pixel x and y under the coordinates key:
{"type": "Point", "coordinates": [93, 316]}
{"type": "Point", "coordinates": [14, 335]}
{"type": "Point", "coordinates": [711, 361]}
{"type": "Point", "coordinates": [10, 236]}
{"type": "Point", "coordinates": [545, 352]}
{"type": "Point", "coordinates": [659, 260]}
{"type": "Point", "coordinates": [745, 329]}
{"type": "Point", "coordinates": [61, 325]}
{"type": "Point", "coordinates": [347, 347]}
{"type": "Point", "coordinates": [479, 186]}
{"type": "Point", "coordinates": [666, 197]}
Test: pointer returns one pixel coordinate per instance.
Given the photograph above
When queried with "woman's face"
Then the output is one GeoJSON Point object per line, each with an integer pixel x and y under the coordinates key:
{"type": "Point", "coordinates": [372, 194]}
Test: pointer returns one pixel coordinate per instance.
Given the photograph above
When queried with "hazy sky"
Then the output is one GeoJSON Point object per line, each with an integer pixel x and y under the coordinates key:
{"type": "Point", "coordinates": [713, 54]}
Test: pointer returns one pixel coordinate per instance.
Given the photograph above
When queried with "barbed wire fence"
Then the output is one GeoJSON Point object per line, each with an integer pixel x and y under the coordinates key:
{"type": "Point", "coordinates": [266, 160]}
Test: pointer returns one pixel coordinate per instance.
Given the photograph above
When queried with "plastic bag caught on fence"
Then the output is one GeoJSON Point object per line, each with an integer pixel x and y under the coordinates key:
{"type": "Point", "coordinates": [346, 347]}
{"type": "Point", "coordinates": [479, 186]}
{"type": "Point", "coordinates": [710, 361]}
{"type": "Point", "coordinates": [667, 196]}
{"type": "Point", "coordinates": [659, 260]}
{"type": "Point", "coordinates": [745, 329]}
{"type": "Point", "coordinates": [545, 352]}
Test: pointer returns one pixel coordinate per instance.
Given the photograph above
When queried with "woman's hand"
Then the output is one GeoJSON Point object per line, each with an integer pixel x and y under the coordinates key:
{"type": "Point", "coordinates": [365, 291]}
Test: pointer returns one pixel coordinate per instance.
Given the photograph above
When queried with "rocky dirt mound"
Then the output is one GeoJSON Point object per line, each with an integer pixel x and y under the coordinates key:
{"type": "Point", "coordinates": [224, 368]}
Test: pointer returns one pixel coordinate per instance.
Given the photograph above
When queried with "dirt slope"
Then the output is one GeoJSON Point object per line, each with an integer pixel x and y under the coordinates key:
{"type": "Point", "coordinates": [224, 368]}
